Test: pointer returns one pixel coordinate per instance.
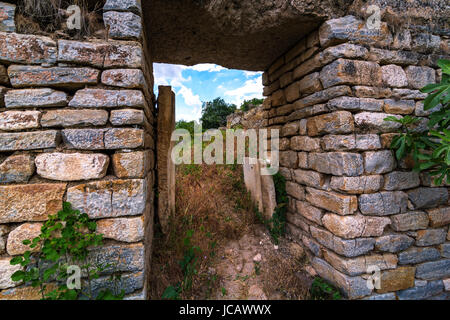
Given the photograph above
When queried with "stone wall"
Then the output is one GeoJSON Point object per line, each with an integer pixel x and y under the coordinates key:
{"type": "Point", "coordinates": [351, 203]}
{"type": "Point", "coordinates": [77, 125]}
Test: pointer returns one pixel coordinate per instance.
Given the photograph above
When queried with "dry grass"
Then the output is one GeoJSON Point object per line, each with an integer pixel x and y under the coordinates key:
{"type": "Point", "coordinates": [211, 201]}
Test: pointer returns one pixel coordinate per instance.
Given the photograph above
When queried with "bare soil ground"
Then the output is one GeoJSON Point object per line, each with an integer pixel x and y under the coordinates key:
{"type": "Point", "coordinates": [229, 254]}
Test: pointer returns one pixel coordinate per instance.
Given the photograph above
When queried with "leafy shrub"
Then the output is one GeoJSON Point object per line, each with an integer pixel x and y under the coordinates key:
{"type": "Point", "coordinates": [250, 104]}
{"type": "Point", "coordinates": [322, 290]}
{"type": "Point", "coordinates": [214, 113]}
{"type": "Point", "coordinates": [430, 149]}
{"type": "Point", "coordinates": [64, 241]}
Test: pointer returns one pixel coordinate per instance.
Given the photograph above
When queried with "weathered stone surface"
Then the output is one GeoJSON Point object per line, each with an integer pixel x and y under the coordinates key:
{"type": "Point", "coordinates": [447, 284]}
{"type": "Point", "coordinates": [124, 78]}
{"type": "Point", "coordinates": [393, 243]}
{"type": "Point", "coordinates": [335, 123]}
{"type": "Point", "coordinates": [71, 166]}
{"type": "Point", "coordinates": [368, 142]}
{"type": "Point", "coordinates": [420, 112]}
{"type": "Point", "coordinates": [29, 140]}
{"type": "Point", "coordinates": [397, 279]}
{"type": "Point", "coordinates": [372, 92]}
{"type": "Point", "coordinates": [3, 75]}
{"type": "Point", "coordinates": [288, 159]}
{"type": "Point", "coordinates": [383, 203]}
{"type": "Point", "coordinates": [445, 250]}
{"type": "Point", "coordinates": [349, 28]}
{"type": "Point", "coordinates": [6, 271]}
{"type": "Point", "coordinates": [356, 104]}
{"type": "Point", "coordinates": [303, 160]}
{"type": "Point", "coordinates": [129, 283]}
{"type": "Point", "coordinates": [378, 162]}
{"type": "Point", "coordinates": [121, 5]}
{"type": "Point", "coordinates": [417, 255]}
{"type": "Point", "coordinates": [7, 14]}
{"type": "Point", "coordinates": [434, 270]}
{"type": "Point", "coordinates": [310, 178]}
{"type": "Point", "coordinates": [344, 50]}
{"type": "Point", "coordinates": [310, 84]}
{"type": "Point", "coordinates": [309, 212]}
{"type": "Point", "coordinates": [338, 142]}
{"type": "Point", "coordinates": [337, 163]}
{"type": "Point", "coordinates": [111, 54]}
{"type": "Point", "coordinates": [124, 138]}
{"type": "Point", "coordinates": [290, 129]}
{"type": "Point", "coordinates": [383, 56]}
{"type": "Point", "coordinates": [26, 231]}
{"type": "Point", "coordinates": [354, 72]}
{"type": "Point", "coordinates": [132, 164]}
{"type": "Point", "coordinates": [402, 39]}
{"type": "Point", "coordinates": [32, 202]}
{"type": "Point", "coordinates": [27, 49]}
{"type": "Point", "coordinates": [360, 265]}
{"type": "Point", "coordinates": [100, 98]}
{"type": "Point", "coordinates": [355, 226]}
{"type": "Point", "coordinates": [84, 139]}
{"type": "Point", "coordinates": [69, 118]}
{"type": "Point", "coordinates": [24, 293]}
{"type": "Point", "coordinates": [19, 120]}
{"type": "Point", "coordinates": [357, 185]}
{"type": "Point", "coordinates": [305, 143]}
{"type": "Point", "coordinates": [127, 117]}
{"type": "Point", "coordinates": [408, 94]}
{"type": "Point", "coordinates": [312, 245]}
{"type": "Point", "coordinates": [278, 98]}
{"type": "Point", "coordinates": [35, 98]}
{"type": "Point", "coordinates": [353, 287]}
{"type": "Point", "coordinates": [394, 76]}
{"type": "Point", "coordinates": [123, 25]}
{"type": "Point", "coordinates": [321, 97]}
{"type": "Point", "coordinates": [430, 237]}
{"type": "Point", "coordinates": [399, 106]}
{"type": "Point", "coordinates": [374, 121]}
{"type": "Point", "coordinates": [122, 229]}
{"type": "Point", "coordinates": [17, 168]}
{"type": "Point", "coordinates": [419, 77]}
{"type": "Point", "coordinates": [413, 220]}
{"type": "Point", "coordinates": [439, 217]}
{"type": "Point", "coordinates": [113, 198]}
{"type": "Point", "coordinates": [332, 201]}
{"type": "Point", "coordinates": [295, 190]}
{"type": "Point", "coordinates": [399, 180]}
{"type": "Point", "coordinates": [120, 258]}
{"type": "Point", "coordinates": [292, 92]}
{"type": "Point", "coordinates": [425, 42]}
{"type": "Point", "coordinates": [3, 90]}
{"type": "Point", "coordinates": [428, 197]}
{"type": "Point", "coordinates": [59, 77]}
{"type": "Point", "coordinates": [421, 290]}
{"type": "Point", "coordinates": [383, 296]}
{"type": "Point", "coordinates": [308, 66]}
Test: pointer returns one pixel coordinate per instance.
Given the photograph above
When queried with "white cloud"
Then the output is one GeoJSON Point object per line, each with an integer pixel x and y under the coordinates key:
{"type": "Point", "coordinates": [252, 88]}
{"type": "Point", "coordinates": [250, 74]}
{"type": "Point", "coordinates": [207, 67]}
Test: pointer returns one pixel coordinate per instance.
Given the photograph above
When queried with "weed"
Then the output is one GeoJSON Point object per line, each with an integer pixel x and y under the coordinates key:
{"type": "Point", "coordinates": [224, 292]}
{"type": "Point", "coordinates": [322, 290]}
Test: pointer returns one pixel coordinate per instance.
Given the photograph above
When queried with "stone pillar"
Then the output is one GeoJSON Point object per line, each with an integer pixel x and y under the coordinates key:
{"type": "Point", "coordinates": [166, 167]}
{"type": "Point", "coordinates": [351, 203]}
{"type": "Point", "coordinates": [77, 125]}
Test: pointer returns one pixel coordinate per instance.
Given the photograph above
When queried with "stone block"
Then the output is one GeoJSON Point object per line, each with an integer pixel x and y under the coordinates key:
{"type": "Point", "coordinates": [353, 72]}
{"type": "Point", "coordinates": [70, 118]}
{"type": "Point", "coordinates": [7, 14]}
{"type": "Point", "coordinates": [124, 138]}
{"type": "Point", "coordinates": [310, 178]}
{"type": "Point", "coordinates": [394, 76]}
{"type": "Point", "coordinates": [420, 292]}
{"type": "Point", "coordinates": [428, 197]}
{"type": "Point", "coordinates": [101, 98]}
{"type": "Point", "coordinates": [120, 257]}
{"type": "Point", "coordinates": [372, 92]}
{"type": "Point", "coordinates": [295, 190]}
{"type": "Point", "coordinates": [357, 185]}
{"type": "Point", "coordinates": [132, 164]}
{"type": "Point", "coordinates": [26, 49]}
{"type": "Point", "coordinates": [335, 123]}
{"type": "Point", "coordinates": [35, 98]}
{"type": "Point", "coordinates": [393, 243]}
{"type": "Point", "coordinates": [309, 212]}
{"type": "Point", "coordinates": [6, 271]}
{"type": "Point", "coordinates": [122, 229]}
{"type": "Point", "coordinates": [413, 220]}
{"type": "Point", "coordinates": [323, 96]}
{"type": "Point", "coordinates": [105, 199]}
{"type": "Point", "coordinates": [32, 202]}
{"type": "Point", "coordinates": [397, 279]}
{"type": "Point", "coordinates": [19, 120]}
{"type": "Point", "coordinates": [310, 84]}
{"type": "Point", "coordinates": [124, 78]}
{"type": "Point", "coordinates": [419, 77]}
{"type": "Point", "coordinates": [355, 104]}
{"type": "Point", "coordinates": [17, 169]}
{"type": "Point", "coordinates": [58, 77]}
{"type": "Point", "coordinates": [434, 270]}
{"type": "Point", "coordinates": [378, 162]}
{"type": "Point", "coordinates": [121, 5]}
{"type": "Point", "coordinates": [439, 217]}
{"type": "Point", "coordinates": [399, 106]}
{"type": "Point", "coordinates": [416, 255]}
{"type": "Point", "coordinates": [29, 140]}
{"type": "Point", "coordinates": [26, 231]}
{"type": "Point", "coordinates": [344, 50]}
{"type": "Point", "coordinates": [337, 163]}
{"type": "Point", "coordinates": [355, 226]}
{"type": "Point", "coordinates": [374, 121]}
{"type": "Point", "coordinates": [368, 142]}
{"type": "Point", "coordinates": [430, 237]}
{"type": "Point", "coordinates": [123, 25]}
{"type": "Point", "coordinates": [288, 159]}
{"type": "Point", "coordinates": [305, 143]}
{"type": "Point", "coordinates": [332, 201]}
{"type": "Point", "coordinates": [383, 203]}
{"type": "Point", "coordinates": [127, 117]}
{"type": "Point", "coordinates": [398, 180]}
{"type": "Point", "coordinates": [71, 166]}
{"type": "Point", "coordinates": [338, 142]}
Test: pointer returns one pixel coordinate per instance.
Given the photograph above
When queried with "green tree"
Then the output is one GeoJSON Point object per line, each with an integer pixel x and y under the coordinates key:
{"type": "Point", "coordinates": [250, 104]}
{"type": "Point", "coordinates": [429, 149]}
{"type": "Point", "coordinates": [214, 113]}
{"type": "Point", "coordinates": [188, 125]}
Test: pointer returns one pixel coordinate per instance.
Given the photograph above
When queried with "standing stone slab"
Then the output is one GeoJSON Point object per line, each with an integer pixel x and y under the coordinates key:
{"type": "Point", "coordinates": [29, 140]}
{"type": "Point", "coordinates": [59, 77]}
{"type": "Point", "coordinates": [72, 166]}
{"type": "Point", "coordinates": [19, 120]}
{"type": "Point", "coordinates": [32, 202]}
{"type": "Point", "coordinates": [106, 199]}
{"type": "Point", "coordinates": [35, 98]}
{"type": "Point", "coordinates": [17, 168]}
{"type": "Point", "coordinates": [27, 49]}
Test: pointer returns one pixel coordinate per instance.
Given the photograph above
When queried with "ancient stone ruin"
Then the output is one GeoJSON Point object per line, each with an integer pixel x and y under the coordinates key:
{"type": "Point", "coordinates": [78, 124]}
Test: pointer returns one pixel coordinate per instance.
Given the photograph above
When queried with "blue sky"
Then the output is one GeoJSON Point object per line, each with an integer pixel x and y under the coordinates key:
{"type": "Point", "coordinates": [205, 82]}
